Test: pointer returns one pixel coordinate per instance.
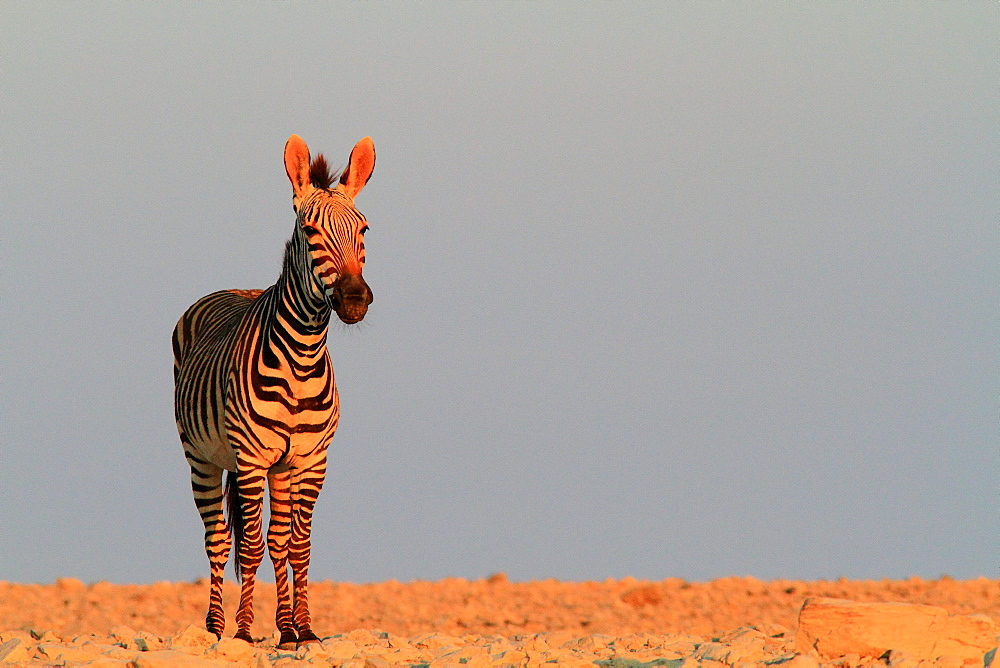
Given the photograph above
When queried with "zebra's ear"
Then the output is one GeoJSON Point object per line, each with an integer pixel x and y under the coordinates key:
{"type": "Point", "coordinates": [359, 168]}
{"type": "Point", "coordinates": [297, 166]}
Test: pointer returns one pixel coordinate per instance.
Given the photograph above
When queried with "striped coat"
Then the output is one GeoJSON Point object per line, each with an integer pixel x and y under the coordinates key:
{"type": "Point", "coordinates": [254, 392]}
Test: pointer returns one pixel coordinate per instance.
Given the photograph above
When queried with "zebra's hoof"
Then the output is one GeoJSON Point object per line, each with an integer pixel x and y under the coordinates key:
{"type": "Point", "coordinates": [288, 640]}
{"type": "Point", "coordinates": [307, 637]}
{"type": "Point", "coordinates": [243, 635]}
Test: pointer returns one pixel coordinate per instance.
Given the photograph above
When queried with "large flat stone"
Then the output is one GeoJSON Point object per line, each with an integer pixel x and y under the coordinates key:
{"type": "Point", "coordinates": [836, 627]}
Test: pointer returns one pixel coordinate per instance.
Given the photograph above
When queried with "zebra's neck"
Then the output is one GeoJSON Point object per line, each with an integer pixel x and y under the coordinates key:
{"type": "Point", "coordinates": [299, 300]}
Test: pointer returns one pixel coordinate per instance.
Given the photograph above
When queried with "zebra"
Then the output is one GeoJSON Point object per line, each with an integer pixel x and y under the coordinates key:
{"type": "Point", "coordinates": [254, 392]}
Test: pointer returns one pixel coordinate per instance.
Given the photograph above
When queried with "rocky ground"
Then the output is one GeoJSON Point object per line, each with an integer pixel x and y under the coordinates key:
{"type": "Point", "coordinates": [730, 621]}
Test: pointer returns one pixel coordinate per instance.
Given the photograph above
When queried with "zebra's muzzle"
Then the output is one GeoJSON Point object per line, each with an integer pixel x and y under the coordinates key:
{"type": "Point", "coordinates": [350, 299]}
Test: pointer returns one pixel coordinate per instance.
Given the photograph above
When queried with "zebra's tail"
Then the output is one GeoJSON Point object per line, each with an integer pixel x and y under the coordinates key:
{"type": "Point", "coordinates": [234, 520]}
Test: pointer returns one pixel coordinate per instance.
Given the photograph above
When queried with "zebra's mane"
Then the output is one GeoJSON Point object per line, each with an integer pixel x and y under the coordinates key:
{"type": "Point", "coordinates": [320, 174]}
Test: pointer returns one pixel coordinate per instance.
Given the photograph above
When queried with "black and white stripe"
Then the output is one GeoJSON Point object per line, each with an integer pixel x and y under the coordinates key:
{"type": "Point", "coordinates": [254, 392]}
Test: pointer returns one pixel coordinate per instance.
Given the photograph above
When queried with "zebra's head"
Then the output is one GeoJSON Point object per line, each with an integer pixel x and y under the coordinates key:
{"type": "Point", "coordinates": [332, 229]}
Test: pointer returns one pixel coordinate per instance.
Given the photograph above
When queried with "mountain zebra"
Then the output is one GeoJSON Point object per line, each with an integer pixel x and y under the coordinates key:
{"type": "Point", "coordinates": [254, 392]}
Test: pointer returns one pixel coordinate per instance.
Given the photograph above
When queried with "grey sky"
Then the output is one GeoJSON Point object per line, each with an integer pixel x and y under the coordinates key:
{"type": "Point", "coordinates": [661, 289]}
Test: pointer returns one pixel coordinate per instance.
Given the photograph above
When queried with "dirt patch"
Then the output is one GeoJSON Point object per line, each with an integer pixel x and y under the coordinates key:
{"type": "Point", "coordinates": [587, 618]}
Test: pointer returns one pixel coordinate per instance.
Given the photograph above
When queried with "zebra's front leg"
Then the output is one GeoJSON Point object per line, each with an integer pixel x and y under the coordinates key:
{"type": "Point", "coordinates": [206, 483]}
{"type": "Point", "coordinates": [250, 484]}
{"type": "Point", "coordinates": [278, 533]}
{"type": "Point", "coordinates": [305, 488]}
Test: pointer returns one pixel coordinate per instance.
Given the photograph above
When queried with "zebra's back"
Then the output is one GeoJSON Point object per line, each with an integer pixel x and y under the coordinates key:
{"type": "Point", "coordinates": [212, 318]}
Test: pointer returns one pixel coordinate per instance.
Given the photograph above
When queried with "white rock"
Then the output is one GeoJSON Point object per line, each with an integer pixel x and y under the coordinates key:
{"type": "Point", "coordinates": [193, 637]}
{"type": "Point", "coordinates": [712, 651]}
{"type": "Point", "coordinates": [899, 659]}
{"type": "Point", "coordinates": [14, 650]}
{"type": "Point", "coordinates": [166, 658]}
{"type": "Point", "coordinates": [803, 661]}
{"type": "Point", "coordinates": [62, 652]}
{"type": "Point", "coordinates": [234, 649]}
{"type": "Point", "coordinates": [835, 627]}
{"type": "Point", "coordinates": [337, 650]}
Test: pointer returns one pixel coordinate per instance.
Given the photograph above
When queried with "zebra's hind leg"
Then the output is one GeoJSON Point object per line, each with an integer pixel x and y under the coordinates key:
{"type": "Point", "coordinates": [206, 483]}
{"type": "Point", "coordinates": [279, 529]}
{"type": "Point", "coordinates": [250, 485]}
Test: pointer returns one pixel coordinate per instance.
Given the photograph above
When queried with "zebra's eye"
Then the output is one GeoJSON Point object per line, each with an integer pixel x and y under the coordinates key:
{"type": "Point", "coordinates": [364, 230]}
